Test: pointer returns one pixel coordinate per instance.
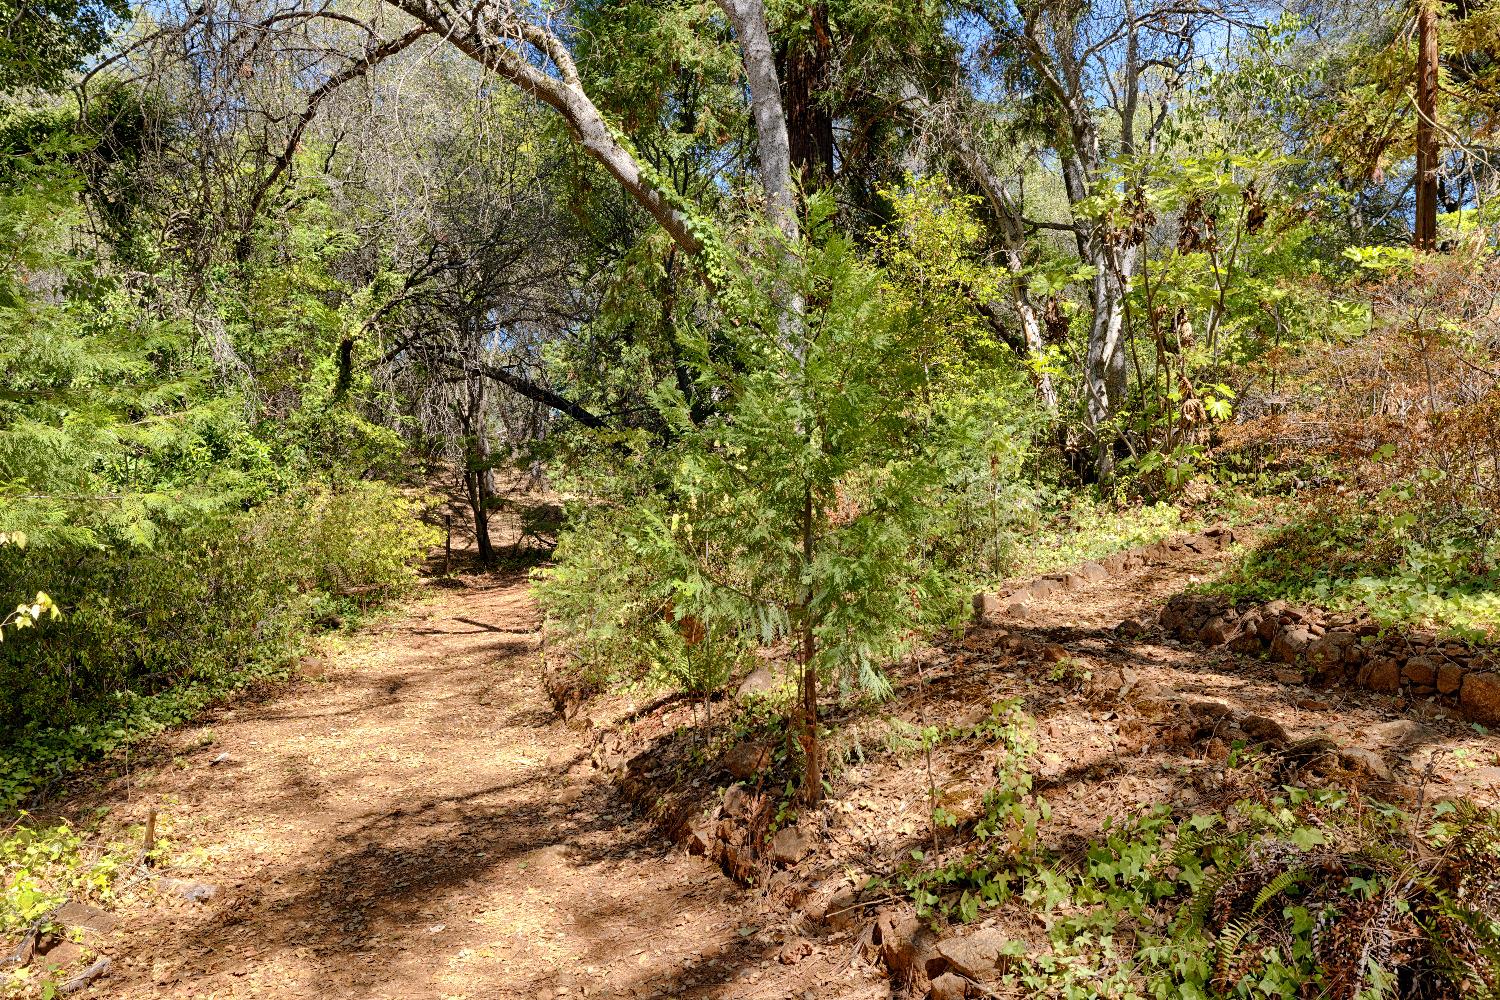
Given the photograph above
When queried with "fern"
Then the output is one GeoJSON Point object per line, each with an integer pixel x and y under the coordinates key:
{"type": "Point", "coordinates": [1281, 883]}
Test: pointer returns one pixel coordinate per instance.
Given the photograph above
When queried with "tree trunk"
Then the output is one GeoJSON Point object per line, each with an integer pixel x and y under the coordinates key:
{"type": "Point", "coordinates": [478, 476]}
{"type": "Point", "coordinates": [773, 147]}
{"type": "Point", "coordinates": [808, 120]}
{"type": "Point", "coordinates": [1427, 145]}
{"type": "Point", "coordinates": [812, 750]}
{"type": "Point", "coordinates": [1104, 364]}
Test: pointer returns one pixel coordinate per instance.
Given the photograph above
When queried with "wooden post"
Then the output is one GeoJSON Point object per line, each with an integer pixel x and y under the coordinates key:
{"type": "Point", "coordinates": [1425, 237]}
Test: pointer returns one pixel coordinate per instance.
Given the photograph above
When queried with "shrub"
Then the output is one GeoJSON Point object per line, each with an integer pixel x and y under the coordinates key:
{"type": "Point", "coordinates": [151, 635]}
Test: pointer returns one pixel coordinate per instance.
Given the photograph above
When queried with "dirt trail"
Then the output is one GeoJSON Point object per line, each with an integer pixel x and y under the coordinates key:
{"type": "Point", "coordinates": [412, 821]}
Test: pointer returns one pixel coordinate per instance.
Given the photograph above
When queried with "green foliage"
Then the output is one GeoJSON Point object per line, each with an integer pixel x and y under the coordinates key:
{"type": "Point", "coordinates": [43, 42]}
{"type": "Point", "coordinates": [41, 867]}
{"type": "Point", "coordinates": [806, 500]}
{"type": "Point", "coordinates": [1260, 902]}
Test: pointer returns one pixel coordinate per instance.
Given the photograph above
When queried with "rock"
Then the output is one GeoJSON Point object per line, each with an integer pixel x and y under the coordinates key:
{"type": "Point", "coordinates": [1396, 733]}
{"type": "Point", "coordinates": [790, 845]}
{"type": "Point", "coordinates": [1366, 762]}
{"type": "Point", "coordinates": [739, 803]}
{"type": "Point", "coordinates": [84, 917]}
{"type": "Point", "coordinates": [746, 759]}
{"type": "Point", "coordinates": [1072, 581]}
{"type": "Point", "coordinates": [1268, 626]}
{"type": "Point", "coordinates": [1383, 675]}
{"type": "Point", "coordinates": [1016, 609]}
{"type": "Point", "coordinates": [1093, 572]}
{"type": "Point", "coordinates": [1053, 653]}
{"type": "Point", "coordinates": [833, 902]}
{"type": "Point", "coordinates": [761, 682]}
{"type": "Point", "coordinates": [1129, 629]}
{"type": "Point", "coordinates": [1479, 695]}
{"type": "Point", "coordinates": [86, 978]}
{"type": "Point", "coordinates": [1217, 632]}
{"type": "Point", "coordinates": [1289, 643]}
{"type": "Point", "coordinates": [986, 605]}
{"type": "Point", "coordinates": [1421, 669]}
{"type": "Point", "coordinates": [193, 892]}
{"type": "Point", "coordinates": [895, 937]}
{"type": "Point", "coordinates": [1450, 677]}
{"type": "Point", "coordinates": [62, 953]}
{"type": "Point", "coordinates": [948, 987]}
{"type": "Point", "coordinates": [981, 956]}
{"type": "Point", "coordinates": [1326, 653]}
{"type": "Point", "coordinates": [1290, 675]}
{"type": "Point", "coordinates": [1115, 564]}
{"type": "Point", "coordinates": [1265, 730]}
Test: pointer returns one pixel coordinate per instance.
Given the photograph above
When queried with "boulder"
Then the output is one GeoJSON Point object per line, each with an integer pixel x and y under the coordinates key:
{"type": "Point", "coordinates": [746, 759]}
{"type": "Point", "coordinates": [790, 846]}
{"type": "Point", "coordinates": [1421, 669]}
{"type": "Point", "coordinates": [986, 605]}
{"type": "Point", "coordinates": [1217, 632]}
{"type": "Point", "coordinates": [895, 937]}
{"type": "Point", "coordinates": [948, 987]}
{"type": "Point", "coordinates": [1326, 653]}
{"type": "Point", "coordinates": [739, 803]}
{"type": "Point", "coordinates": [1040, 590]}
{"type": "Point", "coordinates": [1115, 564]}
{"type": "Point", "coordinates": [762, 681]}
{"type": "Point", "coordinates": [1093, 572]}
{"type": "Point", "coordinates": [1450, 677]}
{"type": "Point", "coordinates": [1479, 695]}
{"type": "Point", "coordinates": [1289, 643]}
{"type": "Point", "coordinates": [1074, 581]}
{"type": "Point", "coordinates": [981, 956]}
{"type": "Point", "coordinates": [1383, 675]}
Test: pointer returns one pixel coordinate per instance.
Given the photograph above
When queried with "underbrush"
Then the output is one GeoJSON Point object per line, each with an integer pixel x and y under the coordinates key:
{"type": "Point", "coordinates": [151, 636]}
{"type": "Point", "coordinates": [1442, 573]}
{"type": "Point", "coordinates": [1080, 528]}
{"type": "Point", "coordinates": [1291, 893]}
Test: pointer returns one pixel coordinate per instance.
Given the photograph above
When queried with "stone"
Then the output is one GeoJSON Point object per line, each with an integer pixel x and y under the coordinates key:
{"type": "Point", "coordinates": [746, 759]}
{"type": "Point", "coordinates": [86, 978]}
{"type": "Point", "coordinates": [1290, 675]}
{"type": "Point", "coordinates": [981, 956]}
{"type": "Point", "coordinates": [986, 605]}
{"type": "Point", "coordinates": [62, 953]}
{"type": "Point", "coordinates": [1289, 643]}
{"type": "Point", "coordinates": [1264, 730]}
{"type": "Point", "coordinates": [84, 917]}
{"type": "Point", "coordinates": [1268, 626]}
{"type": "Point", "coordinates": [1326, 653]}
{"type": "Point", "coordinates": [948, 987]}
{"type": "Point", "coordinates": [1115, 564]}
{"type": "Point", "coordinates": [1073, 581]}
{"type": "Point", "coordinates": [1042, 589]}
{"type": "Point", "coordinates": [1366, 762]}
{"type": "Point", "coordinates": [1016, 609]}
{"type": "Point", "coordinates": [762, 681]}
{"type": "Point", "coordinates": [1421, 669]}
{"type": "Point", "coordinates": [1053, 653]}
{"type": "Point", "coordinates": [1383, 675]}
{"type": "Point", "coordinates": [1093, 572]}
{"type": "Point", "coordinates": [790, 845]}
{"type": "Point", "coordinates": [1129, 629]}
{"type": "Point", "coordinates": [739, 803]}
{"type": "Point", "coordinates": [1217, 632]}
{"type": "Point", "coordinates": [1450, 677]}
{"type": "Point", "coordinates": [1479, 696]}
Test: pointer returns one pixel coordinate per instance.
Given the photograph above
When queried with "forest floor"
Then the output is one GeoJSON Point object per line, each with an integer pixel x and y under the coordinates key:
{"type": "Point", "coordinates": [411, 818]}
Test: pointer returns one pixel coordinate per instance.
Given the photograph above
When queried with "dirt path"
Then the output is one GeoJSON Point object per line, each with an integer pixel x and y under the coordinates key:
{"type": "Point", "coordinates": [412, 821]}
